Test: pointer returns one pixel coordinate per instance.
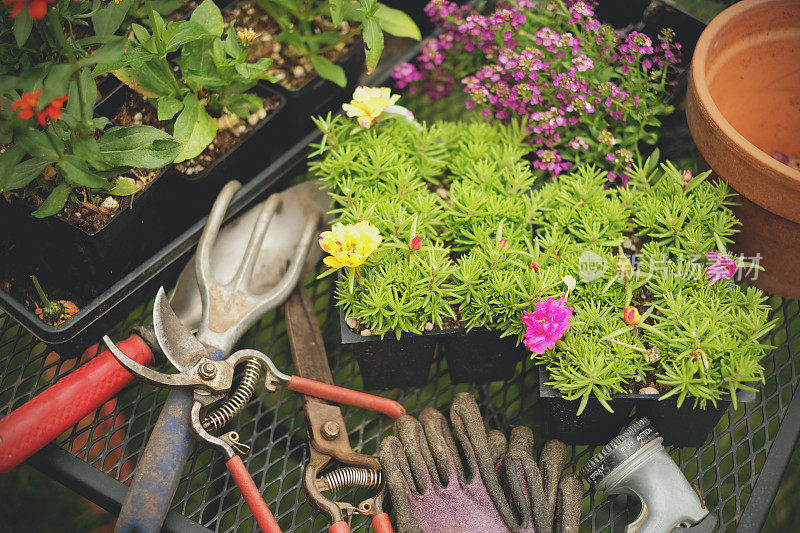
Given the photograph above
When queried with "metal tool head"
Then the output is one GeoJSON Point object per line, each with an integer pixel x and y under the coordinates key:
{"type": "Point", "coordinates": [176, 341]}
{"type": "Point", "coordinates": [257, 263]}
{"type": "Point", "coordinates": [328, 438]}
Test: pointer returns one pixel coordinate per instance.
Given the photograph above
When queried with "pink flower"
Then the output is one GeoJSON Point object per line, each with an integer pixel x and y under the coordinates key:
{"type": "Point", "coordinates": [416, 243]}
{"type": "Point", "coordinates": [724, 267]}
{"type": "Point", "coordinates": [547, 324]}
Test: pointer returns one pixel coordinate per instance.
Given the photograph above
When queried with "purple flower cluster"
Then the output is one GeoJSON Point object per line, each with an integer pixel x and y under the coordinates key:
{"type": "Point", "coordinates": [584, 92]}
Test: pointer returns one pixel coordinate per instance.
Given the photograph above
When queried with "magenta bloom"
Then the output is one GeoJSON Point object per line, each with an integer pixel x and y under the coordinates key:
{"type": "Point", "coordinates": [547, 324]}
{"type": "Point", "coordinates": [724, 267]}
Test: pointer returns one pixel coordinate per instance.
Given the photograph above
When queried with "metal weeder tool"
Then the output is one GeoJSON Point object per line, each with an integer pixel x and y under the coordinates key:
{"type": "Point", "coordinates": [210, 380]}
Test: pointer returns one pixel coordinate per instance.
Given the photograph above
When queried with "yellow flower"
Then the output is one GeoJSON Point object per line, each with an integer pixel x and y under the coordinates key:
{"type": "Point", "coordinates": [349, 245]}
{"type": "Point", "coordinates": [368, 104]}
{"type": "Point", "coordinates": [246, 36]}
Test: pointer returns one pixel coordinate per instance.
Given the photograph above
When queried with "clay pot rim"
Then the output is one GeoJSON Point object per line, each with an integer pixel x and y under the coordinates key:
{"type": "Point", "coordinates": [700, 85]}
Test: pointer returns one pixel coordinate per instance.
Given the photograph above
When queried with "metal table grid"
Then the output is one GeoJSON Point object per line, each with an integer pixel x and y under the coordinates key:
{"type": "Point", "coordinates": [726, 468]}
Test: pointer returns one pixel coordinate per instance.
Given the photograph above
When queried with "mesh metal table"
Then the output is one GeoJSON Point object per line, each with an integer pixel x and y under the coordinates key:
{"type": "Point", "coordinates": [738, 470]}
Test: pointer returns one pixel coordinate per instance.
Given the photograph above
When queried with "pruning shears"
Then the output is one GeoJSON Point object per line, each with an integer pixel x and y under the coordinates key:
{"type": "Point", "coordinates": [210, 381]}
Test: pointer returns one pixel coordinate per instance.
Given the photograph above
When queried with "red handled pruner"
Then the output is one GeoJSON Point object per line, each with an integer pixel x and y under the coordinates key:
{"type": "Point", "coordinates": [211, 382]}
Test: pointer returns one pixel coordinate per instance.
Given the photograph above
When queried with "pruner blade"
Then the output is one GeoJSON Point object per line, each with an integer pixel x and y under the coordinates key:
{"type": "Point", "coordinates": [170, 381]}
{"type": "Point", "coordinates": [175, 339]}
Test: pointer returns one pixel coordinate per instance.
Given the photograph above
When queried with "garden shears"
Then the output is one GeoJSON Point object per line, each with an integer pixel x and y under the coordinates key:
{"type": "Point", "coordinates": [328, 440]}
{"type": "Point", "coordinates": [210, 379]}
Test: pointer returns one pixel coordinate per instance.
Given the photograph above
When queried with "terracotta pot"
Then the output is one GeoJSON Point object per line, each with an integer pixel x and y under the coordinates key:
{"type": "Point", "coordinates": [742, 104]}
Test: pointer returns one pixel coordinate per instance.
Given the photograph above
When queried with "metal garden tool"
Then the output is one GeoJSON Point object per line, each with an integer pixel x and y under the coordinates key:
{"type": "Point", "coordinates": [457, 477]}
{"type": "Point", "coordinates": [209, 380]}
{"type": "Point", "coordinates": [328, 440]}
{"type": "Point", "coordinates": [244, 284]}
{"type": "Point", "coordinates": [42, 419]}
{"type": "Point", "coordinates": [635, 463]}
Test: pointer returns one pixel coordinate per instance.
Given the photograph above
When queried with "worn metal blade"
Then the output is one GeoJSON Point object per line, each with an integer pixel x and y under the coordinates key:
{"type": "Point", "coordinates": [175, 339]}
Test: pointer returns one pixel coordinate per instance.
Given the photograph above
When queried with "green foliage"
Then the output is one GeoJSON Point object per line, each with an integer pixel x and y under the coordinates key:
{"type": "Point", "coordinates": [368, 18]}
{"type": "Point", "coordinates": [213, 78]}
{"type": "Point", "coordinates": [53, 63]}
{"type": "Point", "coordinates": [495, 240]}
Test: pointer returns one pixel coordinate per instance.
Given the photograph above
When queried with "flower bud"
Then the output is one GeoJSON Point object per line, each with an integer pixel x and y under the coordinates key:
{"type": "Point", "coordinates": [535, 266]}
{"type": "Point", "coordinates": [687, 177]}
{"type": "Point", "coordinates": [631, 315]}
{"type": "Point", "coordinates": [416, 243]}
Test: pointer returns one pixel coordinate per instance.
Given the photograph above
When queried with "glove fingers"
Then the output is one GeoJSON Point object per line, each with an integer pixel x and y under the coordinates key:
{"type": "Point", "coordinates": [521, 477]}
{"type": "Point", "coordinates": [471, 435]}
{"type": "Point", "coordinates": [399, 481]}
{"type": "Point", "coordinates": [551, 464]}
{"type": "Point", "coordinates": [570, 494]}
{"type": "Point", "coordinates": [442, 445]}
{"type": "Point", "coordinates": [420, 460]}
{"type": "Point", "coordinates": [498, 446]}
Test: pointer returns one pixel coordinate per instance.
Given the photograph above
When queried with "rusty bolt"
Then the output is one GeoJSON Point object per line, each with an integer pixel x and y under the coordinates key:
{"type": "Point", "coordinates": [207, 370]}
{"type": "Point", "coordinates": [330, 430]}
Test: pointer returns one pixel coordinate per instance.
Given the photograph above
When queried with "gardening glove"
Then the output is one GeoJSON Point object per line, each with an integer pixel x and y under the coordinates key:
{"type": "Point", "coordinates": [465, 479]}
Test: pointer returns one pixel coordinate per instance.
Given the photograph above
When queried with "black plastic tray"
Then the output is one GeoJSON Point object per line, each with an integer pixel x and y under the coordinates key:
{"type": "Point", "coordinates": [92, 319]}
{"type": "Point", "coordinates": [680, 426]}
{"type": "Point", "coordinates": [475, 356]}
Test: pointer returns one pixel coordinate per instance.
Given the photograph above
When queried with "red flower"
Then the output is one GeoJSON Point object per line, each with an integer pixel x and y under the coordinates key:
{"type": "Point", "coordinates": [416, 243]}
{"type": "Point", "coordinates": [36, 8]}
{"type": "Point", "coordinates": [51, 110]}
{"type": "Point", "coordinates": [27, 104]}
{"type": "Point", "coordinates": [503, 243]}
{"type": "Point", "coordinates": [535, 266]}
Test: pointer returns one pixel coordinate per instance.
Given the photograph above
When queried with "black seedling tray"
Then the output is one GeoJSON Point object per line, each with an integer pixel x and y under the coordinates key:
{"type": "Point", "coordinates": [475, 356]}
{"type": "Point", "coordinates": [680, 426]}
{"type": "Point", "coordinates": [290, 149]}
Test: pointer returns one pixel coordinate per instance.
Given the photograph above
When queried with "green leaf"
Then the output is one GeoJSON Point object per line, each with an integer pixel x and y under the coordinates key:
{"type": "Point", "coordinates": [23, 174]}
{"type": "Point", "coordinates": [232, 46]}
{"type": "Point", "coordinates": [153, 79]}
{"type": "Point", "coordinates": [208, 15]}
{"type": "Point", "coordinates": [397, 23]}
{"type": "Point", "coordinates": [194, 129]}
{"type": "Point", "coordinates": [134, 56]}
{"type": "Point", "coordinates": [56, 82]}
{"type": "Point", "coordinates": [109, 16]}
{"type": "Point", "coordinates": [141, 33]}
{"type": "Point", "coordinates": [37, 144]}
{"type": "Point", "coordinates": [110, 52]}
{"type": "Point", "coordinates": [22, 28]}
{"type": "Point", "coordinates": [329, 70]}
{"type": "Point", "coordinates": [124, 187]}
{"type": "Point", "coordinates": [77, 172]}
{"type": "Point", "coordinates": [198, 67]}
{"type": "Point", "coordinates": [183, 33]}
{"type": "Point", "coordinates": [337, 11]}
{"type": "Point", "coordinates": [138, 146]}
{"type": "Point", "coordinates": [87, 149]}
{"type": "Point", "coordinates": [168, 106]}
{"type": "Point", "coordinates": [54, 202]}
{"type": "Point", "coordinates": [74, 108]}
{"type": "Point", "coordinates": [373, 38]}
{"type": "Point", "coordinates": [8, 162]}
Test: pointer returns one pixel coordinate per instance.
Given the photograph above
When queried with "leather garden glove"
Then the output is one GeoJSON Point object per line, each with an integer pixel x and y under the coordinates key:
{"type": "Point", "coordinates": [470, 480]}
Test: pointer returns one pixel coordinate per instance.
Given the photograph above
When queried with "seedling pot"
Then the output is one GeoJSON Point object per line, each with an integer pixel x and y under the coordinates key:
{"type": "Point", "coordinates": [82, 263]}
{"type": "Point", "coordinates": [480, 356]}
{"type": "Point", "coordinates": [475, 356]}
{"type": "Point", "coordinates": [319, 96]}
{"type": "Point", "coordinates": [679, 426]}
{"type": "Point", "coordinates": [740, 107]}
